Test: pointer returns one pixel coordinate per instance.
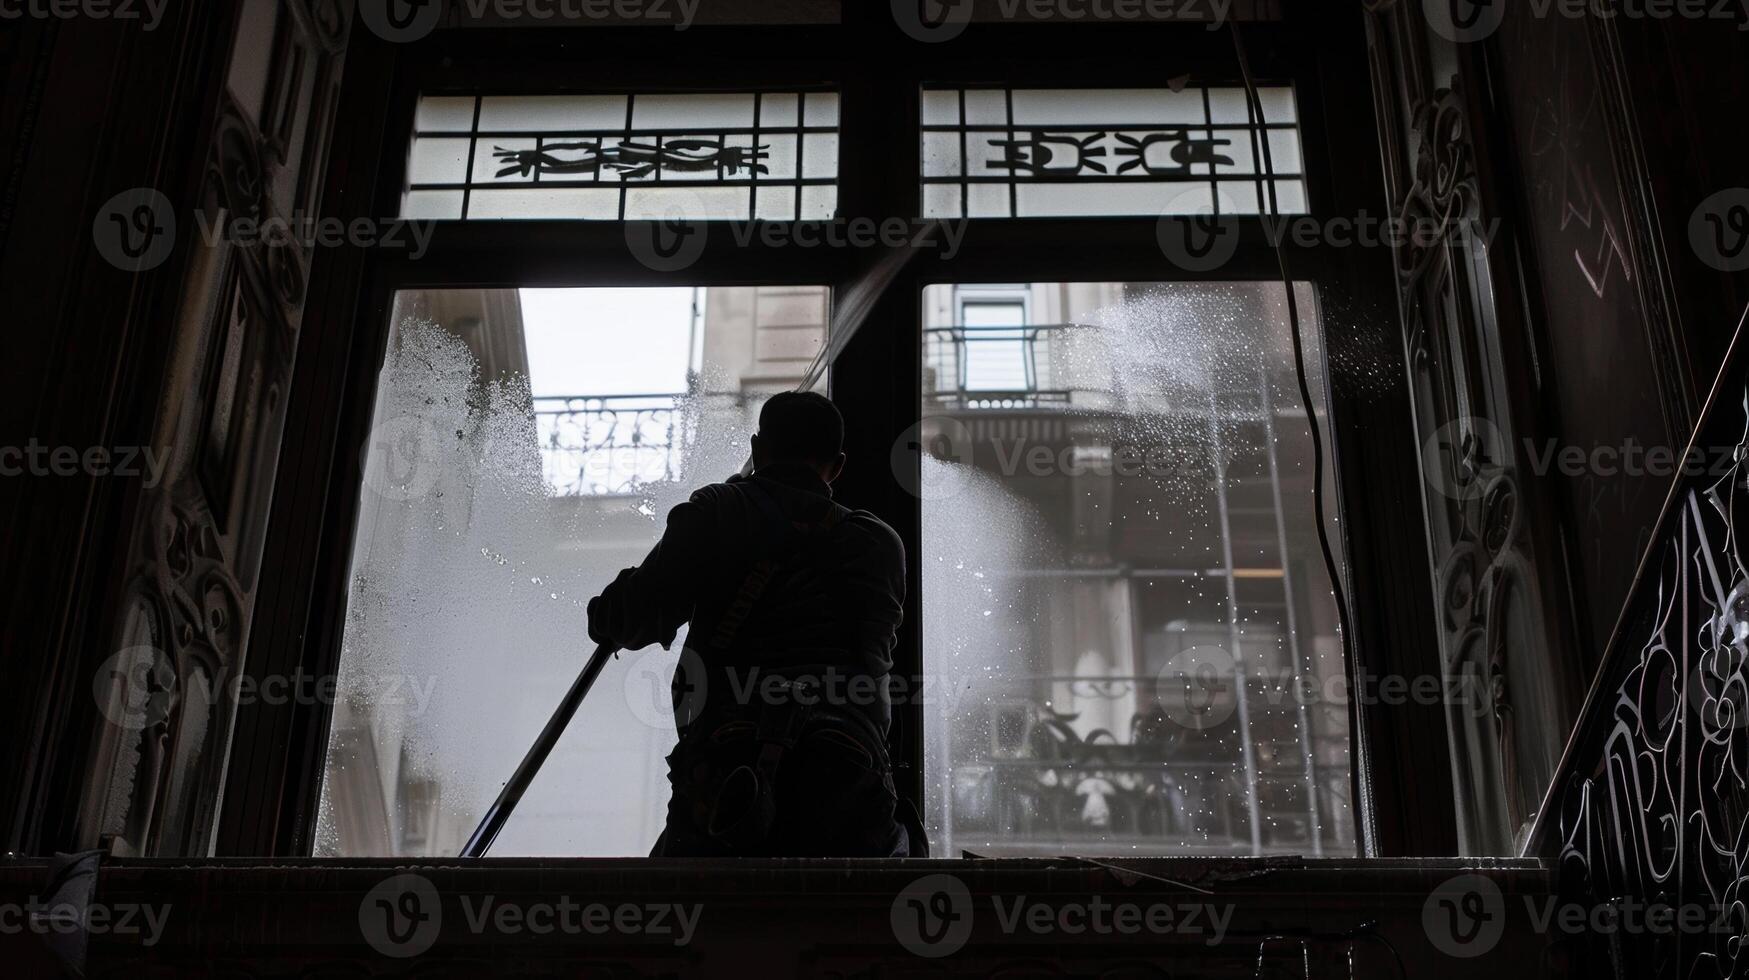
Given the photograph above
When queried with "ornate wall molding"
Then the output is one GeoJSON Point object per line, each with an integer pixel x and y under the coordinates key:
{"type": "Point", "coordinates": [167, 696]}
{"type": "Point", "coordinates": [1491, 533]}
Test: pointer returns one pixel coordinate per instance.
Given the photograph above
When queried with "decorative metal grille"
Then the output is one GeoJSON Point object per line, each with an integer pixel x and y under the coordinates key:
{"type": "Point", "coordinates": [1651, 802]}
{"type": "Point", "coordinates": [709, 156]}
{"type": "Point", "coordinates": [1006, 153]}
{"type": "Point", "coordinates": [950, 351]}
{"type": "Point", "coordinates": [609, 444]}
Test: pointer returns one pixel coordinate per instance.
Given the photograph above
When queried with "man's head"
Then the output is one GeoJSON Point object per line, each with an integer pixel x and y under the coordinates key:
{"type": "Point", "coordinates": [800, 427]}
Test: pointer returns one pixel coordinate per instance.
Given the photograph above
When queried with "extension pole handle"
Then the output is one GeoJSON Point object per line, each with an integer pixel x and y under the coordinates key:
{"type": "Point", "coordinates": [537, 755]}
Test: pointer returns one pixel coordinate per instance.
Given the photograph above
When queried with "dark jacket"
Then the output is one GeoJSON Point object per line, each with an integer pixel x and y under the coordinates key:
{"type": "Point", "coordinates": [829, 602]}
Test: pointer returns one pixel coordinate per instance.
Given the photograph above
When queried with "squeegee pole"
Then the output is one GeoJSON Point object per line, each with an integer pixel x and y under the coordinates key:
{"type": "Point", "coordinates": [537, 755]}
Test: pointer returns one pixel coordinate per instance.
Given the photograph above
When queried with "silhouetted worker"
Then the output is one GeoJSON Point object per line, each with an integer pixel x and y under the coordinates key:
{"type": "Point", "coordinates": [781, 693]}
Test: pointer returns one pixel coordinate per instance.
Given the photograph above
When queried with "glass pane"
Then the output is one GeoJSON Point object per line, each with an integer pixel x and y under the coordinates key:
{"type": "Point", "coordinates": [690, 155]}
{"type": "Point", "coordinates": [1102, 152]}
{"type": "Point", "coordinates": [526, 446]}
{"type": "Point", "coordinates": [1123, 594]}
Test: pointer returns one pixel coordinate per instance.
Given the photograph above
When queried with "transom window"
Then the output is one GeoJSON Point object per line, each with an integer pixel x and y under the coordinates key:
{"type": "Point", "coordinates": [715, 155]}
{"type": "Point", "coordinates": [1008, 153]}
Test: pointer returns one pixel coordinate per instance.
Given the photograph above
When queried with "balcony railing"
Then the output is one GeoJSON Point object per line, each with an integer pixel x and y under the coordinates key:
{"type": "Point", "coordinates": [596, 445]}
{"type": "Point", "coordinates": [986, 368]}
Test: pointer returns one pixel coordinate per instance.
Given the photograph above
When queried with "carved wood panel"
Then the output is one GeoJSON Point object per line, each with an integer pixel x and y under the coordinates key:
{"type": "Point", "coordinates": [1493, 534]}
{"type": "Point", "coordinates": [168, 694]}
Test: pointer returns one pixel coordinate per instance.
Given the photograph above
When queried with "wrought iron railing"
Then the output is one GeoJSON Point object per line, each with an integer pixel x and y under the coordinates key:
{"type": "Point", "coordinates": [1017, 362]}
{"type": "Point", "coordinates": [1648, 804]}
{"type": "Point", "coordinates": [1022, 775]}
{"type": "Point", "coordinates": [593, 445]}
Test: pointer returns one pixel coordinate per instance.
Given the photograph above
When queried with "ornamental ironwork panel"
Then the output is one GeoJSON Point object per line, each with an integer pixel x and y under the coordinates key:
{"type": "Point", "coordinates": [708, 156]}
{"type": "Point", "coordinates": [1186, 149]}
{"type": "Point", "coordinates": [595, 445]}
{"type": "Point", "coordinates": [1650, 805]}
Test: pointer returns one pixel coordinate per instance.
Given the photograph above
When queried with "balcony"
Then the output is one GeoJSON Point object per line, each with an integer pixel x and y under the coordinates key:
{"type": "Point", "coordinates": [603, 445]}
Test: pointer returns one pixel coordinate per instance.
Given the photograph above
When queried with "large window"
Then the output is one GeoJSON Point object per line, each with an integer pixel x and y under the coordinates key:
{"type": "Point", "coordinates": [1127, 623]}
{"type": "Point", "coordinates": [1122, 635]}
{"type": "Point", "coordinates": [526, 445]}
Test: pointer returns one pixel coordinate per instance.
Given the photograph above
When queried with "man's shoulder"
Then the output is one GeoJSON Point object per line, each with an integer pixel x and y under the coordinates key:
{"type": "Point", "coordinates": [714, 493]}
{"type": "Point", "coordinates": [878, 530]}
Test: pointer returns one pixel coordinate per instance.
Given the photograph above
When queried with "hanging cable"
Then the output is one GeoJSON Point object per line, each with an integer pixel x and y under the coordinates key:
{"type": "Point", "coordinates": [1293, 313]}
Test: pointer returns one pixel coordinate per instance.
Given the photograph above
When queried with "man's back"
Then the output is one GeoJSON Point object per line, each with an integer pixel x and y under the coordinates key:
{"type": "Point", "coordinates": [781, 696]}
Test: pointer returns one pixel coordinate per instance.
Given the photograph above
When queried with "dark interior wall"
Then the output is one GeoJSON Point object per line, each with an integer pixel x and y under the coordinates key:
{"type": "Point", "coordinates": [1618, 131]}
{"type": "Point", "coordinates": [90, 108]}
{"type": "Point", "coordinates": [161, 163]}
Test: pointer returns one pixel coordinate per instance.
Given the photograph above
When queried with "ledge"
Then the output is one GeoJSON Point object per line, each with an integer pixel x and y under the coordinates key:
{"type": "Point", "coordinates": [639, 917]}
